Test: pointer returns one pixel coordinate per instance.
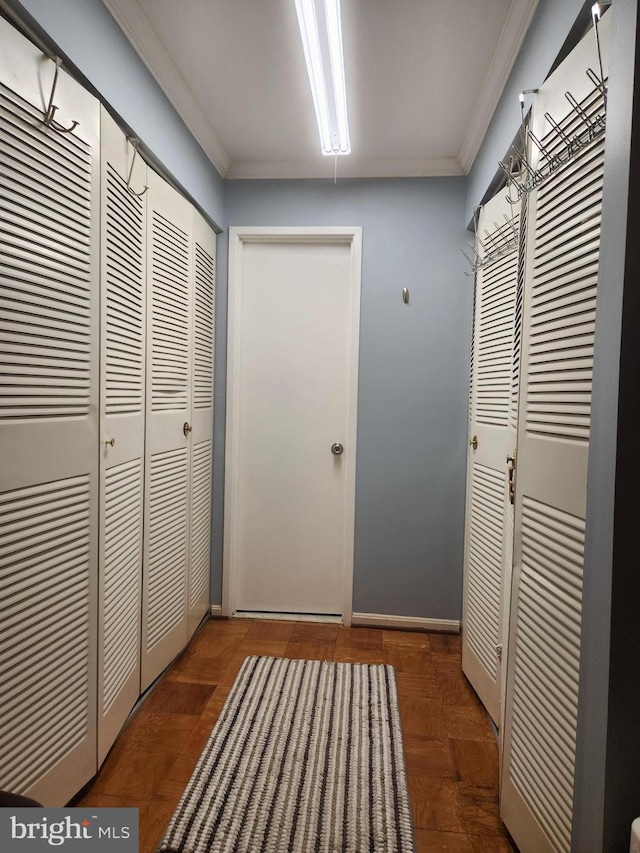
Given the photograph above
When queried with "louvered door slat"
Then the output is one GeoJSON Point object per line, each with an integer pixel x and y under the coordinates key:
{"type": "Point", "coordinates": [203, 336]}
{"type": "Point", "coordinates": [55, 302]}
{"type": "Point", "coordinates": [45, 566]}
{"type": "Point", "coordinates": [167, 543]}
{"type": "Point", "coordinates": [200, 520]}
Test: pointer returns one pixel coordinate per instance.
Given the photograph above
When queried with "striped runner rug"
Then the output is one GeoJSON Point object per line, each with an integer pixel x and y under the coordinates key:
{"type": "Point", "coordinates": [306, 757]}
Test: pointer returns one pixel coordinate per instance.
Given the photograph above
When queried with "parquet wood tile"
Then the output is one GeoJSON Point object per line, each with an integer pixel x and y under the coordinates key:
{"type": "Point", "coordinates": [359, 638]}
{"type": "Point", "coordinates": [198, 669]}
{"type": "Point", "coordinates": [436, 804]}
{"type": "Point", "coordinates": [410, 659]}
{"type": "Point", "coordinates": [267, 648]}
{"type": "Point", "coordinates": [469, 722]}
{"type": "Point", "coordinates": [353, 654]}
{"type": "Point", "coordinates": [210, 645]}
{"type": "Point", "coordinates": [476, 761]}
{"type": "Point", "coordinates": [451, 755]}
{"type": "Point", "coordinates": [423, 718]}
{"type": "Point", "coordinates": [414, 639]}
{"type": "Point", "coordinates": [175, 780]}
{"type": "Point", "coordinates": [446, 645]}
{"type": "Point", "coordinates": [428, 757]}
{"type": "Point", "coordinates": [413, 685]}
{"type": "Point", "coordinates": [155, 814]}
{"type": "Point", "coordinates": [492, 844]}
{"type": "Point", "coordinates": [454, 687]}
{"type": "Point", "coordinates": [316, 650]}
{"type": "Point", "coordinates": [173, 697]}
{"type": "Point", "coordinates": [428, 841]}
{"type": "Point", "coordinates": [266, 631]}
{"type": "Point", "coordinates": [133, 773]}
{"type": "Point", "coordinates": [480, 809]}
{"type": "Point", "coordinates": [312, 632]}
{"type": "Point", "coordinates": [156, 731]}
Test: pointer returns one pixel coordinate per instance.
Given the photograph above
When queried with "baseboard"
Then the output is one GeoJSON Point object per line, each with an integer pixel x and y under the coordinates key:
{"type": "Point", "coordinates": [216, 611]}
{"type": "Point", "coordinates": [406, 623]}
{"type": "Point", "coordinates": [286, 617]}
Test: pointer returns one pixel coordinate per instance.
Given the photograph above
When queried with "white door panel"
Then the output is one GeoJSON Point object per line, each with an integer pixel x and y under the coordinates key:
{"type": "Point", "coordinates": [290, 522]}
{"type": "Point", "coordinates": [489, 516]}
{"type": "Point", "coordinates": [168, 448]}
{"type": "Point", "coordinates": [553, 447]}
{"type": "Point", "coordinates": [204, 255]}
{"type": "Point", "coordinates": [49, 308]}
{"type": "Point", "coordinates": [123, 285]}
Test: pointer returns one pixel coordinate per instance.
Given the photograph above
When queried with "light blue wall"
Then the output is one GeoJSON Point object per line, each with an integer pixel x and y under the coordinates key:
{"type": "Point", "coordinates": [549, 29]}
{"type": "Point", "coordinates": [85, 31]}
{"type": "Point", "coordinates": [413, 388]}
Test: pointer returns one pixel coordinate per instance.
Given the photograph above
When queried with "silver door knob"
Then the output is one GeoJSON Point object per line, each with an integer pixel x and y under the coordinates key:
{"type": "Point", "coordinates": [337, 449]}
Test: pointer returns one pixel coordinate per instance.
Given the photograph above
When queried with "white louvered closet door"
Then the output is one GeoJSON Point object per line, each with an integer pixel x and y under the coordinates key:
{"type": "Point", "coordinates": [553, 445]}
{"type": "Point", "coordinates": [204, 249]}
{"type": "Point", "coordinates": [122, 416]}
{"type": "Point", "coordinates": [168, 442]}
{"type": "Point", "coordinates": [489, 520]}
{"type": "Point", "coordinates": [49, 213]}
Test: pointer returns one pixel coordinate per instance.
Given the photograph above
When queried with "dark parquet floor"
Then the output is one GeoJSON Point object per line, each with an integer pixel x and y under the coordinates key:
{"type": "Point", "coordinates": [451, 752]}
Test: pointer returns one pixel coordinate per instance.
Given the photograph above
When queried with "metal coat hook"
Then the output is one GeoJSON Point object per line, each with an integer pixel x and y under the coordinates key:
{"type": "Point", "coordinates": [513, 227]}
{"type": "Point", "coordinates": [578, 109]}
{"type": "Point", "coordinates": [499, 228]}
{"type": "Point", "coordinates": [558, 129]}
{"type": "Point", "coordinates": [596, 14]}
{"type": "Point", "coordinates": [135, 142]}
{"type": "Point", "coordinates": [496, 245]}
{"type": "Point", "coordinates": [545, 153]}
{"type": "Point", "coordinates": [598, 83]}
{"type": "Point", "coordinates": [507, 168]}
{"type": "Point", "coordinates": [51, 108]}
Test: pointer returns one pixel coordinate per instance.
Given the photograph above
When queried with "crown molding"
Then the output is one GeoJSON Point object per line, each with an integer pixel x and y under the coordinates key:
{"type": "Point", "coordinates": [135, 25]}
{"type": "Point", "coordinates": [347, 167]}
{"type": "Point", "coordinates": [510, 41]}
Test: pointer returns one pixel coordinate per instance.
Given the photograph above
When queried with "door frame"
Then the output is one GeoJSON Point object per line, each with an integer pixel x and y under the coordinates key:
{"type": "Point", "coordinates": [238, 236]}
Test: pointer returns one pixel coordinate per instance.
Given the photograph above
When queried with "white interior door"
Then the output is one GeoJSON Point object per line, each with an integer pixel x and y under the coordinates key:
{"type": "Point", "coordinates": [122, 410]}
{"type": "Point", "coordinates": [204, 279]}
{"type": "Point", "coordinates": [492, 433]}
{"type": "Point", "coordinates": [553, 446]}
{"type": "Point", "coordinates": [49, 332]}
{"type": "Point", "coordinates": [294, 308]}
{"type": "Point", "coordinates": [168, 443]}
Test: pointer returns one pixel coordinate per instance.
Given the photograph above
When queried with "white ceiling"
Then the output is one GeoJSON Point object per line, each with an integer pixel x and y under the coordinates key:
{"type": "Point", "coordinates": [423, 80]}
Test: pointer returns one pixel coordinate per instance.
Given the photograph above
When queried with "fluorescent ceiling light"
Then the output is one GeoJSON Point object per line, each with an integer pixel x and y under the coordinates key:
{"type": "Point", "coordinates": [321, 32]}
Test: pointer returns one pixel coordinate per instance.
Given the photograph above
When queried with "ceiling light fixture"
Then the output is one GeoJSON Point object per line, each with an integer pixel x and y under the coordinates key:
{"type": "Point", "coordinates": [321, 32]}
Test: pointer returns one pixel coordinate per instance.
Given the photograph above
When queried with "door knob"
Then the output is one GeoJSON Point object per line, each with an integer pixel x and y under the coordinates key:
{"type": "Point", "coordinates": [337, 449]}
{"type": "Point", "coordinates": [186, 428]}
{"type": "Point", "coordinates": [110, 441]}
{"type": "Point", "coordinates": [474, 442]}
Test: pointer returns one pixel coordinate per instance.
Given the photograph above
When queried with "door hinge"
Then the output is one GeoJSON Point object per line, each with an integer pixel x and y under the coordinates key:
{"type": "Point", "coordinates": [499, 651]}
{"type": "Point", "coordinates": [511, 462]}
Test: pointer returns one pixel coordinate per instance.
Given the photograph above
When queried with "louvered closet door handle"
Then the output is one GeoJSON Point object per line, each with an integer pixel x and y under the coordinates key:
{"type": "Point", "coordinates": [186, 428]}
